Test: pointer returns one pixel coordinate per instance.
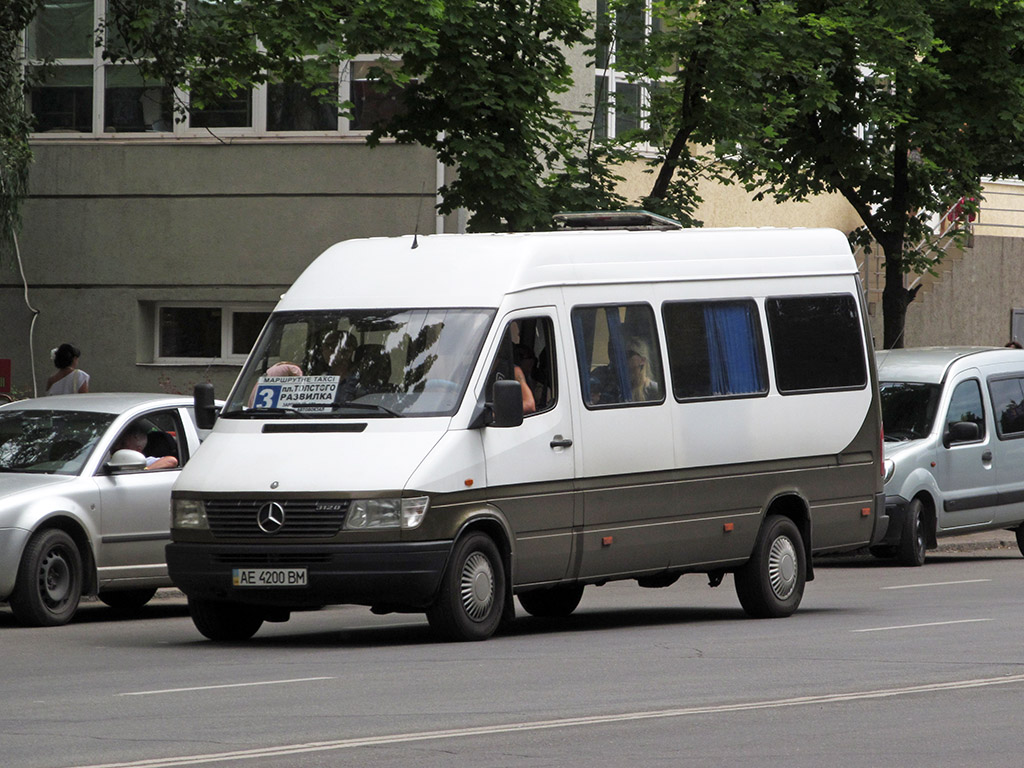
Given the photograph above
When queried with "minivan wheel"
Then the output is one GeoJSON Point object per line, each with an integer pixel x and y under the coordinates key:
{"type": "Point", "coordinates": [49, 582]}
{"type": "Point", "coordinates": [224, 622]}
{"type": "Point", "coordinates": [127, 600]}
{"type": "Point", "coordinates": [554, 603]}
{"type": "Point", "coordinates": [1019, 530]}
{"type": "Point", "coordinates": [771, 584]}
{"type": "Point", "coordinates": [913, 544]}
{"type": "Point", "coordinates": [472, 595]}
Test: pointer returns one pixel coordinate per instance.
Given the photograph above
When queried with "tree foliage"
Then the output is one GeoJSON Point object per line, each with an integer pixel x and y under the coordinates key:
{"type": "Point", "coordinates": [479, 80]}
{"type": "Point", "coordinates": [901, 106]}
{"type": "Point", "coordinates": [15, 154]}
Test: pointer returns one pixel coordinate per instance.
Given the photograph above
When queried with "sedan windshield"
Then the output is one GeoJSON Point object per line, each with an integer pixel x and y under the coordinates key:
{"type": "Point", "coordinates": [49, 442]}
{"type": "Point", "coordinates": [360, 363]}
{"type": "Point", "coordinates": [908, 409]}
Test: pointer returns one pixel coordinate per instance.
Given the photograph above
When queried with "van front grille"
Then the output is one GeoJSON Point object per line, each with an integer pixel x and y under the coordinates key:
{"type": "Point", "coordinates": [292, 518]}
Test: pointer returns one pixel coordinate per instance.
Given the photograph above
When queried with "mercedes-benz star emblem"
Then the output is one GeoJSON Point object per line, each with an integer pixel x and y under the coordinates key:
{"type": "Point", "coordinates": [270, 517]}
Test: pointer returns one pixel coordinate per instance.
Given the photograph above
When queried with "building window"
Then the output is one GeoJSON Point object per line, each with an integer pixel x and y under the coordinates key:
{"type": "Point", "coordinates": [78, 92]}
{"type": "Point", "coordinates": [190, 333]}
{"type": "Point", "coordinates": [817, 343]}
{"type": "Point", "coordinates": [620, 106]}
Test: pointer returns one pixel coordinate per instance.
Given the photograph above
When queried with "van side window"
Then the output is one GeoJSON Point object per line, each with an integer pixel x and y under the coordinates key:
{"type": "Point", "coordinates": [965, 405]}
{"type": "Point", "coordinates": [527, 353]}
{"type": "Point", "coordinates": [1008, 404]}
{"type": "Point", "coordinates": [817, 343]}
{"type": "Point", "coordinates": [618, 355]}
{"type": "Point", "coordinates": [715, 349]}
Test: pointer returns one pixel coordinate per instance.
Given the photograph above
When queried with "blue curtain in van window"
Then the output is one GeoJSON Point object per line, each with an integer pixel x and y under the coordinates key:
{"type": "Point", "coordinates": [732, 349]}
{"type": "Point", "coordinates": [581, 354]}
{"type": "Point", "coordinates": [617, 355]}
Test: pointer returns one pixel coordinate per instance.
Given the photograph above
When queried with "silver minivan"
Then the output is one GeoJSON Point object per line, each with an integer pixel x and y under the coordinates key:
{"type": "Point", "coordinates": [954, 445]}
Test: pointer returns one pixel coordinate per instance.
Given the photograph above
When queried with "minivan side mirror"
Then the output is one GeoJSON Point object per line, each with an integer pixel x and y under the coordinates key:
{"type": "Point", "coordinates": [961, 432]}
{"type": "Point", "coordinates": [205, 408]}
{"type": "Point", "coordinates": [507, 409]}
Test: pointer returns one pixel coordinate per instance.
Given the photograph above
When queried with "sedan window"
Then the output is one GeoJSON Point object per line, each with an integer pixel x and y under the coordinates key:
{"type": "Point", "coordinates": [47, 441]}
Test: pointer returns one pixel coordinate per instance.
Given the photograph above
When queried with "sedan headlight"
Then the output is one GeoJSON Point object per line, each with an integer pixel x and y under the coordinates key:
{"type": "Point", "coordinates": [890, 469]}
{"type": "Point", "coordinates": [365, 514]}
{"type": "Point", "coordinates": [189, 513]}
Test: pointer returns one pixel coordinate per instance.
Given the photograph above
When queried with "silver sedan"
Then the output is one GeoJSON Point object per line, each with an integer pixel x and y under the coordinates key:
{"type": "Point", "coordinates": [85, 486]}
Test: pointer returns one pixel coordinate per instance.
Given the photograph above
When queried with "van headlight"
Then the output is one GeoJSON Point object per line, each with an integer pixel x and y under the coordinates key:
{"type": "Point", "coordinates": [189, 514]}
{"type": "Point", "coordinates": [365, 514]}
{"type": "Point", "coordinates": [890, 469]}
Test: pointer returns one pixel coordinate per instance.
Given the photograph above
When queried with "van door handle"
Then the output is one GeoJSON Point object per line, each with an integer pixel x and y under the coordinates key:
{"type": "Point", "coordinates": [986, 456]}
{"type": "Point", "coordinates": [560, 442]}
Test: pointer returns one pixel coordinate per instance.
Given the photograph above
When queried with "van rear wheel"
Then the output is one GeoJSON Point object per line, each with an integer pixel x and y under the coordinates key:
{"type": "Point", "coordinates": [224, 622]}
{"type": "Point", "coordinates": [913, 545]}
{"type": "Point", "coordinates": [771, 584]}
{"type": "Point", "coordinates": [1019, 530]}
{"type": "Point", "coordinates": [554, 603]}
{"type": "Point", "coordinates": [472, 595]}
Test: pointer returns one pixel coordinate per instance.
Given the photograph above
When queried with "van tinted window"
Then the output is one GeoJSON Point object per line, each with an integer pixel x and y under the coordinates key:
{"type": "Point", "coordinates": [715, 349]}
{"type": "Point", "coordinates": [816, 342]}
{"type": "Point", "coordinates": [1008, 404]}
{"type": "Point", "coordinates": [618, 355]}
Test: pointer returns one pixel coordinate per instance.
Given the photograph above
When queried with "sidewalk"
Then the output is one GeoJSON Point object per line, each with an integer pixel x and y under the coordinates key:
{"type": "Point", "coordinates": [978, 541]}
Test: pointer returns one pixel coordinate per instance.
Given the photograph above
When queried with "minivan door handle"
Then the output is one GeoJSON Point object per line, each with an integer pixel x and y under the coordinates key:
{"type": "Point", "coordinates": [560, 442]}
{"type": "Point", "coordinates": [986, 456]}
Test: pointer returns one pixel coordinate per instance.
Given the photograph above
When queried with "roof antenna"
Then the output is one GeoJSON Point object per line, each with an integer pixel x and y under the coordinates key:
{"type": "Point", "coordinates": [419, 213]}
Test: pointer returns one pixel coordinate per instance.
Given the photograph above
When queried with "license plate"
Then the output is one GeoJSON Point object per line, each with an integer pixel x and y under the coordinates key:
{"type": "Point", "coordinates": [268, 577]}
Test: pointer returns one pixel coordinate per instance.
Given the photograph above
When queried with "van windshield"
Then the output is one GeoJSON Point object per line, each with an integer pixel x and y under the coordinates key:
{"type": "Point", "coordinates": [908, 409]}
{"type": "Point", "coordinates": [360, 363]}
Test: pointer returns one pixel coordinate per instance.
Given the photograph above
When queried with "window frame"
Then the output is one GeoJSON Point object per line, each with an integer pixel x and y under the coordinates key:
{"type": "Point", "coordinates": [228, 311]}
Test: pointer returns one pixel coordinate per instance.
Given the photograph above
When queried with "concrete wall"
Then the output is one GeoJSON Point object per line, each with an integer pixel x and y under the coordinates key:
{"type": "Point", "coordinates": [973, 300]}
{"type": "Point", "coordinates": [110, 228]}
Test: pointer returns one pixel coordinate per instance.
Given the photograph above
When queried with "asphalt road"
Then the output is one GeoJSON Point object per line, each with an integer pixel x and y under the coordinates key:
{"type": "Point", "coordinates": [881, 666]}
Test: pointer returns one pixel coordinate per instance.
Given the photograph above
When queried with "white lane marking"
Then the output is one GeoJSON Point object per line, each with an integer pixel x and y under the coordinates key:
{"type": "Point", "coordinates": [927, 624]}
{"type": "Point", "coordinates": [227, 685]}
{"type": "Point", "coordinates": [938, 584]}
{"type": "Point", "coordinates": [537, 725]}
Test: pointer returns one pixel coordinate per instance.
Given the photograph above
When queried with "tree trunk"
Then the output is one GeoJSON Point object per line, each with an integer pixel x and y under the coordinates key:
{"type": "Point", "coordinates": [895, 299]}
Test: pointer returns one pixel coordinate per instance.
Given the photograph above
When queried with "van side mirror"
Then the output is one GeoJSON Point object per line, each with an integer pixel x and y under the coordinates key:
{"type": "Point", "coordinates": [961, 432]}
{"type": "Point", "coordinates": [205, 408]}
{"type": "Point", "coordinates": [507, 409]}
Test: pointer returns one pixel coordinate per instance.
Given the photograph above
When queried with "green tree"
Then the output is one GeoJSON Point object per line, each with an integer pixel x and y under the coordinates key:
{"type": "Point", "coordinates": [479, 80]}
{"type": "Point", "coordinates": [901, 106]}
{"type": "Point", "coordinates": [15, 153]}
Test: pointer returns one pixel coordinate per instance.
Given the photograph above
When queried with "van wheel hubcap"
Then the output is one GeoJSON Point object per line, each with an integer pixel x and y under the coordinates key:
{"type": "Point", "coordinates": [476, 586]}
{"type": "Point", "coordinates": [782, 567]}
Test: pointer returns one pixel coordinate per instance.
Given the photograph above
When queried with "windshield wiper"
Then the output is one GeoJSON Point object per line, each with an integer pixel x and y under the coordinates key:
{"type": "Point", "coordinates": [368, 407]}
{"type": "Point", "coordinates": [259, 413]}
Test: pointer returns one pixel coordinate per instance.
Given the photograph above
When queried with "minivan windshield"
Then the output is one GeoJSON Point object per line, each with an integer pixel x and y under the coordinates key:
{"type": "Point", "coordinates": [908, 409]}
{"type": "Point", "coordinates": [48, 441]}
{"type": "Point", "coordinates": [360, 364]}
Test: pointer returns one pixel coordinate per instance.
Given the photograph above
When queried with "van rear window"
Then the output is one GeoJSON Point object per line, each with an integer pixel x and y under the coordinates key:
{"type": "Point", "coordinates": [817, 343]}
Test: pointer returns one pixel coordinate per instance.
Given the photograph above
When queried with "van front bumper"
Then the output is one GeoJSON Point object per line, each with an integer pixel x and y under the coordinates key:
{"type": "Point", "coordinates": [395, 576]}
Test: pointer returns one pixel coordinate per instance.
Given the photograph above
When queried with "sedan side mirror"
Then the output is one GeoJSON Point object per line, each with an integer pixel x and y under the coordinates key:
{"type": "Point", "coordinates": [125, 460]}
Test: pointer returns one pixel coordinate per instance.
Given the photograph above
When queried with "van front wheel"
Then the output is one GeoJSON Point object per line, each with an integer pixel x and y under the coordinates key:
{"type": "Point", "coordinates": [472, 595]}
{"type": "Point", "coordinates": [224, 622]}
{"type": "Point", "coordinates": [771, 584]}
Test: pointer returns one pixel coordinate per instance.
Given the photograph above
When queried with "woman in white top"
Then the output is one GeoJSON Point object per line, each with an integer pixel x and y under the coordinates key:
{"type": "Point", "coordinates": [68, 379]}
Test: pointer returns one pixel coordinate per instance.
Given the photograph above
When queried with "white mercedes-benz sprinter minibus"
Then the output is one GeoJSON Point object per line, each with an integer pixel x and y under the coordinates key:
{"type": "Point", "coordinates": [437, 424]}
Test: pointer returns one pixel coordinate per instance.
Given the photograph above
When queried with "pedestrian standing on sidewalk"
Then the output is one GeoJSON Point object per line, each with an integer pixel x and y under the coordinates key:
{"type": "Point", "coordinates": [69, 379]}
